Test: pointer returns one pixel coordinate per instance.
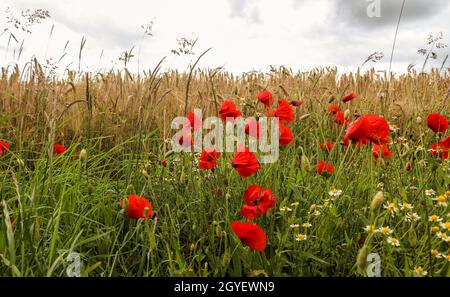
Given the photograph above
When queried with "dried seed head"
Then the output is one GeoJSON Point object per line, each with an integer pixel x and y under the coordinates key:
{"type": "Point", "coordinates": [377, 200]}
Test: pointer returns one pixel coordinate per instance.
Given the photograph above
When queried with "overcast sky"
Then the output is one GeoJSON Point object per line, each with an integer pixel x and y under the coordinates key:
{"type": "Point", "coordinates": [244, 34]}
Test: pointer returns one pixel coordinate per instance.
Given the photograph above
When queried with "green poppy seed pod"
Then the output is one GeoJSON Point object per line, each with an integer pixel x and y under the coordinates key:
{"type": "Point", "coordinates": [83, 155]}
{"type": "Point", "coordinates": [347, 114]}
{"type": "Point", "coordinates": [377, 200]}
{"type": "Point", "coordinates": [146, 212]}
{"type": "Point", "coordinates": [361, 259]}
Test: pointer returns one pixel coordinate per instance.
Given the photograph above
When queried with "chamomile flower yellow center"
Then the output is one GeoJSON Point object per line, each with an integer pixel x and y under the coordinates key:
{"type": "Point", "coordinates": [300, 237]}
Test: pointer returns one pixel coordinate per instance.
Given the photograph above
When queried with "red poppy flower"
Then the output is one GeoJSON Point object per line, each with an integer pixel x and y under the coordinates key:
{"type": "Point", "coordinates": [296, 103]}
{"type": "Point", "coordinates": [59, 149]}
{"type": "Point", "coordinates": [445, 141]}
{"type": "Point", "coordinates": [250, 234]}
{"type": "Point", "coordinates": [164, 162]}
{"type": "Point", "coordinates": [192, 120]}
{"type": "Point", "coordinates": [381, 150]}
{"type": "Point", "coordinates": [136, 207]}
{"type": "Point", "coordinates": [437, 123]}
{"type": "Point", "coordinates": [333, 109]}
{"type": "Point", "coordinates": [245, 162]}
{"type": "Point", "coordinates": [228, 111]}
{"type": "Point", "coordinates": [266, 98]}
{"type": "Point", "coordinates": [369, 128]}
{"type": "Point", "coordinates": [4, 146]}
{"type": "Point", "coordinates": [327, 145]}
{"type": "Point", "coordinates": [349, 97]}
{"type": "Point", "coordinates": [208, 158]}
{"type": "Point", "coordinates": [185, 140]}
{"type": "Point", "coordinates": [284, 112]}
{"type": "Point", "coordinates": [340, 119]}
{"type": "Point", "coordinates": [440, 150]}
{"type": "Point", "coordinates": [324, 168]}
{"type": "Point", "coordinates": [252, 128]}
{"type": "Point", "coordinates": [258, 201]}
{"type": "Point", "coordinates": [286, 135]}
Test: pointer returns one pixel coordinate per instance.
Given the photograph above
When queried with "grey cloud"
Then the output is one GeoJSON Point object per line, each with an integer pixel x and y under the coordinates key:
{"type": "Point", "coordinates": [354, 12]}
{"type": "Point", "coordinates": [241, 9]}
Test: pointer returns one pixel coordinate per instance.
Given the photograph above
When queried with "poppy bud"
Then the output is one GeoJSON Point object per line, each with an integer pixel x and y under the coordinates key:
{"type": "Point", "coordinates": [305, 163]}
{"type": "Point", "coordinates": [83, 155]}
{"type": "Point", "coordinates": [347, 114]}
{"type": "Point", "coordinates": [361, 259]}
{"type": "Point", "coordinates": [408, 166]}
{"type": "Point", "coordinates": [377, 200]}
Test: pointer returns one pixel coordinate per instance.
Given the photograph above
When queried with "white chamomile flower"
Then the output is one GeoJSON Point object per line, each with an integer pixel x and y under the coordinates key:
{"type": "Point", "coordinates": [293, 226]}
{"type": "Point", "coordinates": [430, 192]}
{"type": "Point", "coordinates": [301, 237]}
{"type": "Point", "coordinates": [335, 193]}
{"type": "Point", "coordinates": [393, 241]}
{"type": "Point", "coordinates": [446, 225]}
{"type": "Point", "coordinates": [436, 254]}
{"type": "Point", "coordinates": [443, 236]}
{"type": "Point", "coordinates": [441, 201]}
{"type": "Point", "coordinates": [390, 208]}
{"type": "Point", "coordinates": [371, 229]}
{"type": "Point", "coordinates": [285, 208]}
{"type": "Point", "coordinates": [306, 225]}
{"type": "Point", "coordinates": [405, 205]}
{"type": "Point", "coordinates": [434, 218]}
{"type": "Point", "coordinates": [385, 230]}
{"type": "Point", "coordinates": [420, 271]}
{"type": "Point", "coordinates": [412, 217]}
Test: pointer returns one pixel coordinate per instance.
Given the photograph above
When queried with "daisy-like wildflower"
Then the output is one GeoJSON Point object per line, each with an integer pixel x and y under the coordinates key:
{"type": "Point", "coordinates": [371, 229]}
{"type": "Point", "coordinates": [412, 217]}
{"type": "Point", "coordinates": [306, 225]}
{"type": "Point", "coordinates": [435, 229]}
{"type": "Point", "coordinates": [446, 225]}
{"type": "Point", "coordinates": [300, 237]}
{"type": "Point", "coordinates": [434, 218]}
{"type": "Point", "coordinates": [405, 205]}
{"type": "Point", "coordinates": [441, 200]}
{"type": "Point", "coordinates": [293, 226]}
{"type": "Point", "coordinates": [295, 204]}
{"type": "Point", "coordinates": [393, 241]}
{"type": "Point", "coordinates": [385, 230]}
{"type": "Point", "coordinates": [285, 208]}
{"type": "Point", "coordinates": [436, 254]}
{"type": "Point", "coordinates": [430, 192]}
{"type": "Point", "coordinates": [443, 236]}
{"type": "Point", "coordinates": [335, 193]}
{"type": "Point", "coordinates": [420, 271]}
{"type": "Point", "coordinates": [390, 208]}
